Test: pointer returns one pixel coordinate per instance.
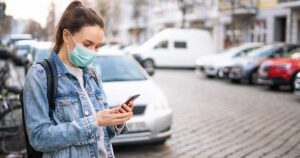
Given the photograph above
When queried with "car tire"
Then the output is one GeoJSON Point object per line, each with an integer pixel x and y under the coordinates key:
{"type": "Point", "coordinates": [220, 74]}
{"type": "Point", "coordinates": [274, 87]}
{"type": "Point", "coordinates": [149, 66]}
{"type": "Point", "coordinates": [292, 82]}
{"type": "Point", "coordinates": [209, 76]}
{"type": "Point", "coordinates": [253, 78]}
{"type": "Point", "coordinates": [235, 81]}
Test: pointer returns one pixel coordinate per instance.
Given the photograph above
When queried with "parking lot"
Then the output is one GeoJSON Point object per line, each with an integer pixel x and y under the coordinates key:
{"type": "Point", "coordinates": [213, 118]}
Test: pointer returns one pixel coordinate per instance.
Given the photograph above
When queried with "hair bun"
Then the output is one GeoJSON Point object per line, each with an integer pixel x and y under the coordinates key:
{"type": "Point", "coordinates": [74, 4]}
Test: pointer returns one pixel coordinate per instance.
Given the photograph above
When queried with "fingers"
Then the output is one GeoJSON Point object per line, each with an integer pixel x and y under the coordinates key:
{"type": "Point", "coordinates": [127, 108]}
{"type": "Point", "coordinates": [130, 104]}
{"type": "Point", "coordinates": [122, 110]}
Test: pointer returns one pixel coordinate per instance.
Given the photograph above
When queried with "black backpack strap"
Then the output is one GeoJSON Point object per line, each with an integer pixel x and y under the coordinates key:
{"type": "Point", "coordinates": [94, 75]}
{"type": "Point", "coordinates": [31, 152]}
{"type": "Point", "coordinates": [51, 72]}
{"type": "Point", "coordinates": [50, 69]}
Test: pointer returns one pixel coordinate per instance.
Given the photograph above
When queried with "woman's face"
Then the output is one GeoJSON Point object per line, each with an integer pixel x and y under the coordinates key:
{"type": "Point", "coordinates": [90, 37]}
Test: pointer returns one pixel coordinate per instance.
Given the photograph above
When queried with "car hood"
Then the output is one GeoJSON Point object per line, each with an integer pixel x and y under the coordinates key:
{"type": "Point", "coordinates": [220, 61]}
{"type": "Point", "coordinates": [212, 59]}
{"type": "Point", "coordinates": [118, 92]}
{"type": "Point", "coordinates": [279, 61]}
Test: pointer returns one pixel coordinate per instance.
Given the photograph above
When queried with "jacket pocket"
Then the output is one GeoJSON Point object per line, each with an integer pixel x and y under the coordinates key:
{"type": "Point", "coordinates": [100, 102]}
{"type": "Point", "coordinates": [68, 108]}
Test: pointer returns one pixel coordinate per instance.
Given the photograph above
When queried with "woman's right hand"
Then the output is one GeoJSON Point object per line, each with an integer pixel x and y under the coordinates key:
{"type": "Point", "coordinates": [109, 117]}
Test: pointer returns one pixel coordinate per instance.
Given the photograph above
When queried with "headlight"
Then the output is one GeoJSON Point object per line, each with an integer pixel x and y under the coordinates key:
{"type": "Point", "coordinates": [297, 85]}
{"type": "Point", "coordinates": [283, 66]}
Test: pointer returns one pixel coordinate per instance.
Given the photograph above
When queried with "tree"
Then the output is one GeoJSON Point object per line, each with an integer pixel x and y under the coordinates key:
{"type": "Point", "coordinates": [110, 11]}
{"type": "Point", "coordinates": [5, 21]}
{"type": "Point", "coordinates": [182, 6]}
{"type": "Point", "coordinates": [35, 29]}
{"type": "Point", "coordinates": [137, 15]}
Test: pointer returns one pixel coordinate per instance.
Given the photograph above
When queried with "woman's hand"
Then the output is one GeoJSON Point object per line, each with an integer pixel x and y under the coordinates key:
{"type": "Point", "coordinates": [109, 117]}
{"type": "Point", "coordinates": [126, 108]}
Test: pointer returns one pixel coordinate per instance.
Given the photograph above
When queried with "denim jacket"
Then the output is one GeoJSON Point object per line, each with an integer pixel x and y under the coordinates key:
{"type": "Point", "coordinates": [72, 132]}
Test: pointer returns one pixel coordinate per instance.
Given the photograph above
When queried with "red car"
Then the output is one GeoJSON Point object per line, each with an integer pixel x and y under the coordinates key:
{"type": "Point", "coordinates": [280, 71]}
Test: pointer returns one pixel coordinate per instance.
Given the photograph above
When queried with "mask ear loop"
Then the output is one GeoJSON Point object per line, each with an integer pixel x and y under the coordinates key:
{"type": "Point", "coordinates": [73, 41]}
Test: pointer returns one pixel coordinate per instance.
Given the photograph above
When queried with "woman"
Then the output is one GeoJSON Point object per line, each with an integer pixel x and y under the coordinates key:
{"type": "Point", "coordinates": [82, 124]}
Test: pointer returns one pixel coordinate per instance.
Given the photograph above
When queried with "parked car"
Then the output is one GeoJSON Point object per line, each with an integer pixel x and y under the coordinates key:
{"type": "Point", "coordinates": [174, 48]}
{"type": "Point", "coordinates": [246, 67]}
{"type": "Point", "coordinates": [18, 37]}
{"type": "Point", "coordinates": [213, 65]}
{"type": "Point", "coordinates": [280, 71]}
{"type": "Point", "coordinates": [297, 84]}
{"type": "Point", "coordinates": [40, 51]}
{"type": "Point", "coordinates": [23, 47]}
{"type": "Point", "coordinates": [122, 76]}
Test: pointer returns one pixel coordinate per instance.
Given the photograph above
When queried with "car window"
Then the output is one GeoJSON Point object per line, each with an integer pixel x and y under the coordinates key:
{"type": "Point", "coordinates": [41, 54]}
{"type": "Point", "coordinates": [117, 68]}
{"type": "Point", "coordinates": [284, 52]}
{"type": "Point", "coordinates": [263, 52]}
{"type": "Point", "coordinates": [180, 44]}
{"type": "Point", "coordinates": [295, 53]}
{"type": "Point", "coordinates": [162, 45]}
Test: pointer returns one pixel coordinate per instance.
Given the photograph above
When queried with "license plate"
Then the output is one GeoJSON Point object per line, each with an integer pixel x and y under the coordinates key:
{"type": "Point", "coordinates": [136, 126]}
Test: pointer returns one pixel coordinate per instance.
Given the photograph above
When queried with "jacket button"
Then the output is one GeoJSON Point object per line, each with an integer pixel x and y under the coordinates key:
{"type": "Point", "coordinates": [86, 113]}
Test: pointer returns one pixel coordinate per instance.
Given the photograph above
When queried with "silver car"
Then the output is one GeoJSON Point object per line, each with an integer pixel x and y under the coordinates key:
{"type": "Point", "coordinates": [122, 77]}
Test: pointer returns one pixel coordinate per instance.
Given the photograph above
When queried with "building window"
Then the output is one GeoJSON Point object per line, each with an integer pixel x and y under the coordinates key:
{"type": "Point", "coordinates": [258, 32]}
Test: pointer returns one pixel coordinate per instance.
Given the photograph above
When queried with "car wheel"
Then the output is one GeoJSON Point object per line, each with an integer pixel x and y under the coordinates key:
{"type": "Point", "coordinates": [220, 74]}
{"type": "Point", "coordinates": [253, 78]}
{"type": "Point", "coordinates": [149, 66]}
{"type": "Point", "coordinates": [235, 81]}
{"type": "Point", "coordinates": [209, 76]}
{"type": "Point", "coordinates": [274, 87]}
{"type": "Point", "coordinates": [292, 82]}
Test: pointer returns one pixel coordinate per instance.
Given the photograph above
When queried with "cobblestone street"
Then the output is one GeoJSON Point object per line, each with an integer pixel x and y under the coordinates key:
{"type": "Point", "coordinates": [214, 118]}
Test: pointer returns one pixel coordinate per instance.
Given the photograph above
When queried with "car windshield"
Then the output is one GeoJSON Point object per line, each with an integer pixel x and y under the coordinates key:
{"type": "Point", "coordinates": [41, 54]}
{"type": "Point", "coordinates": [295, 53]}
{"type": "Point", "coordinates": [263, 52]}
{"type": "Point", "coordinates": [117, 68]}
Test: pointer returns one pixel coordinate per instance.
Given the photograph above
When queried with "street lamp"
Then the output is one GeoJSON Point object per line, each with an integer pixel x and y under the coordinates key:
{"type": "Point", "coordinates": [2, 9]}
{"type": "Point", "coordinates": [182, 7]}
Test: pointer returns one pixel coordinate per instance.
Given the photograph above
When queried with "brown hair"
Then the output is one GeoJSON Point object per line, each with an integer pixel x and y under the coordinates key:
{"type": "Point", "coordinates": [73, 19]}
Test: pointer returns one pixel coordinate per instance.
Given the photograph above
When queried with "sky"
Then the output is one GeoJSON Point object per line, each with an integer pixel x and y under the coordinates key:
{"type": "Point", "coordinates": [28, 9]}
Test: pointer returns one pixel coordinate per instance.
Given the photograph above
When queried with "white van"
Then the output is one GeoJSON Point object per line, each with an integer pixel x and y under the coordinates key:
{"type": "Point", "coordinates": [175, 47]}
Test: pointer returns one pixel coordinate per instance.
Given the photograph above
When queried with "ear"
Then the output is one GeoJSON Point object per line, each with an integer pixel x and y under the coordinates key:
{"type": "Point", "coordinates": [66, 35]}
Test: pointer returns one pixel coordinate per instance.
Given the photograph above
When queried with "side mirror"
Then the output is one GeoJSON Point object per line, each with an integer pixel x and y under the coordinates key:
{"type": "Point", "coordinates": [151, 73]}
{"type": "Point", "coordinates": [149, 66]}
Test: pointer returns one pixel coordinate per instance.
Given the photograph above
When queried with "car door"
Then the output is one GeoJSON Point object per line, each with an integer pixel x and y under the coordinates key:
{"type": "Point", "coordinates": [161, 53]}
{"type": "Point", "coordinates": [180, 54]}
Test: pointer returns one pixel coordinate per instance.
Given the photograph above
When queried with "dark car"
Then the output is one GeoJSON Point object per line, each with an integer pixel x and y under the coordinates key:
{"type": "Point", "coordinates": [245, 68]}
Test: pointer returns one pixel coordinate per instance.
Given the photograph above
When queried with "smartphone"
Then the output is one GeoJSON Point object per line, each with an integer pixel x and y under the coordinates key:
{"type": "Point", "coordinates": [131, 98]}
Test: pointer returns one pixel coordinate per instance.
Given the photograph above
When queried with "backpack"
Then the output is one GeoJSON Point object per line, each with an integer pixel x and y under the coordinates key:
{"type": "Point", "coordinates": [50, 69]}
